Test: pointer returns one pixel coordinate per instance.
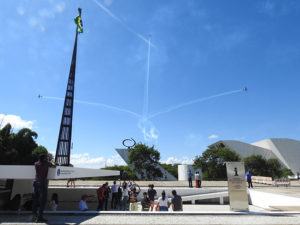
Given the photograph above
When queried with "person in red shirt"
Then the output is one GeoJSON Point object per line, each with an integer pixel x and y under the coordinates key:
{"type": "Point", "coordinates": [100, 194]}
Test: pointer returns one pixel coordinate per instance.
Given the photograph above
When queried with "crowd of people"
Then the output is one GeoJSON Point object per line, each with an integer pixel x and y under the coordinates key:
{"type": "Point", "coordinates": [124, 197]}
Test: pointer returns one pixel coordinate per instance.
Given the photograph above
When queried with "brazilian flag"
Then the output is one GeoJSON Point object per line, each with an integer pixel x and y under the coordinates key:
{"type": "Point", "coordinates": [79, 24]}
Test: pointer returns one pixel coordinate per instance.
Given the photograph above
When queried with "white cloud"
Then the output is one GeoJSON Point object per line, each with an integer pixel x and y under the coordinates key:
{"type": "Point", "coordinates": [46, 13]}
{"type": "Point", "coordinates": [86, 161]}
{"type": "Point", "coordinates": [183, 160]}
{"type": "Point", "coordinates": [36, 23]}
{"type": "Point", "coordinates": [60, 7]}
{"type": "Point", "coordinates": [16, 121]}
{"type": "Point", "coordinates": [38, 20]}
{"type": "Point", "coordinates": [213, 136]}
{"type": "Point", "coordinates": [20, 11]}
{"type": "Point", "coordinates": [50, 13]}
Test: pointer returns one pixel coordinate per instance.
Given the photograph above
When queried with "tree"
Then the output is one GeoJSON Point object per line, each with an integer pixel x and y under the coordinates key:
{"type": "Point", "coordinates": [260, 166]}
{"type": "Point", "coordinates": [145, 160]}
{"type": "Point", "coordinates": [256, 164]}
{"type": "Point", "coordinates": [172, 169]}
{"type": "Point", "coordinates": [286, 172]}
{"type": "Point", "coordinates": [212, 162]}
{"type": "Point", "coordinates": [130, 175]}
{"type": "Point", "coordinates": [274, 168]}
{"type": "Point", "coordinates": [18, 148]}
{"type": "Point", "coordinates": [40, 150]}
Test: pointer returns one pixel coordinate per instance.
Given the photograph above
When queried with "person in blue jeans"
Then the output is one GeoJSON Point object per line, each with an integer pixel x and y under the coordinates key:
{"type": "Point", "coordinates": [190, 177]}
{"type": "Point", "coordinates": [249, 179]}
{"type": "Point", "coordinates": [162, 202]}
{"type": "Point", "coordinates": [40, 188]}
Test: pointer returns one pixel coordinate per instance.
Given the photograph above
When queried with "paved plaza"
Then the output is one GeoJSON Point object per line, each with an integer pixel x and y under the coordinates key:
{"type": "Point", "coordinates": [192, 214]}
{"type": "Point", "coordinates": [161, 218]}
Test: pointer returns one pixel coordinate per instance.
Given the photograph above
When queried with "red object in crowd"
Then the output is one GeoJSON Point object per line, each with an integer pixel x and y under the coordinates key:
{"type": "Point", "coordinates": [196, 183]}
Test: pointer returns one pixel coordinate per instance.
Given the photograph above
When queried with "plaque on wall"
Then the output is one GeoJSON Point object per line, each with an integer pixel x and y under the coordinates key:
{"type": "Point", "coordinates": [237, 189]}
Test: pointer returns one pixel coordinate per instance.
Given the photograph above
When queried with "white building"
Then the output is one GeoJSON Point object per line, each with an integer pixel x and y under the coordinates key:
{"type": "Point", "coordinates": [287, 151]}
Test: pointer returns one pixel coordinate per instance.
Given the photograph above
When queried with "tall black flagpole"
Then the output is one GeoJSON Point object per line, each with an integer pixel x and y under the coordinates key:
{"type": "Point", "coordinates": [63, 150]}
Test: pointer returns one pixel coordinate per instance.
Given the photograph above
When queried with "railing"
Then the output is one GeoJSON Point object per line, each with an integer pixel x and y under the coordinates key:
{"type": "Point", "coordinates": [262, 180]}
{"type": "Point", "coordinates": [283, 182]}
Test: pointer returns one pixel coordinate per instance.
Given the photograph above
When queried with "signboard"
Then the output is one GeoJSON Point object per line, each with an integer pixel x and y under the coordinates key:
{"type": "Point", "coordinates": [238, 196]}
{"type": "Point", "coordinates": [60, 172]}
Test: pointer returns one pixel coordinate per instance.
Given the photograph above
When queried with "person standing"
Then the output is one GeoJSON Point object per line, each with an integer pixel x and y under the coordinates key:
{"type": "Point", "coordinates": [114, 197]}
{"type": "Point", "coordinates": [151, 193]}
{"type": "Point", "coordinates": [40, 187]}
{"type": "Point", "coordinates": [198, 179]}
{"type": "Point", "coordinates": [133, 197]}
{"type": "Point", "coordinates": [100, 195]}
{"type": "Point", "coordinates": [190, 177]}
{"type": "Point", "coordinates": [145, 202]}
{"type": "Point", "coordinates": [71, 181]}
{"type": "Point", "coordinates": [125, 196]}
{"type": "Point", "coordinates": [106, 195]}
{"type": "Point", "coordinates": [176, 202]}
{"type": "Point", "coordinates": [249, 179]}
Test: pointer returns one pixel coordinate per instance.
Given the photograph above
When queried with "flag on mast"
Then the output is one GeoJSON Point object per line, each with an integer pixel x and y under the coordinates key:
{"type": "Point", "coordinates": [79, 24]}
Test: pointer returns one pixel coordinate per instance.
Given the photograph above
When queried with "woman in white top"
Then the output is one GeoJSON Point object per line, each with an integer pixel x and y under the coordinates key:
{"type": "Point", "coordinates": [162, 202]}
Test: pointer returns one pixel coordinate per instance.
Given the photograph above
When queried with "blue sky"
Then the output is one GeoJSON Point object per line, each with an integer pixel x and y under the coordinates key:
{"type": "Point", "coordinates": [198, 49]}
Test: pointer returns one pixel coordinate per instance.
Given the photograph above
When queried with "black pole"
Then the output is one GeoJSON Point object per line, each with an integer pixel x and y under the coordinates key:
{"type": "Point", "coordinates": [63, 149]}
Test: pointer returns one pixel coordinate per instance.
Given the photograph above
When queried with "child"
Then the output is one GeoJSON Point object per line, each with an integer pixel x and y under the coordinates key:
{"type": "Point", "coordinates": [54, 202]}
{"type": "Point", "coordinates": [82, 204]}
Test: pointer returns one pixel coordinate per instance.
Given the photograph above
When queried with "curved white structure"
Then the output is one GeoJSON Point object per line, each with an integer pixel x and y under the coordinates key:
{"type": "Point", "coordinates": [287, 151]}
{"type": "Point", "coordinates": [183, 171]}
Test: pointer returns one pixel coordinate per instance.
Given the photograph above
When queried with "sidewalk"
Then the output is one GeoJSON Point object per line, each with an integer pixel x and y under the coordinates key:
{"type": "Point", "coordinates": [161, 218]}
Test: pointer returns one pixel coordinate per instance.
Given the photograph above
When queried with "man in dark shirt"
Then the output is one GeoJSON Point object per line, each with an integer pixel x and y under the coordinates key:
{"type": "Point", "coordinates": [151, 193]}
{"type": "Point", "coordinates": [145, 202]}
{"type": "Point", "coordinates": [176, 202]}
{"type": "Point", "coordinates": [106, 195]}
{"type": "Point", "coordinates": [40, 187]}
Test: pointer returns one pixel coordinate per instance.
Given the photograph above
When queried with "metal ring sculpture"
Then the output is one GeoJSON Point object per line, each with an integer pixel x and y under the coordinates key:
{"type": "Point", "coordinates": [129, 146]}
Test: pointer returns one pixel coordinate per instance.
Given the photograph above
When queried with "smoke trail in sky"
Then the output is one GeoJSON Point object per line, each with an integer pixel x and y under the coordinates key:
{"type": "Point", "coordinates": [107, 11]}
{"type": "Point", "coordinates": [144, 124]}
{"type": "Point", "coordinates": [172, 108]}
{"type": "Point", "coordinates": [98, 104]}
{"type": "Point", "coordinates": [146, 91]}
{"type": "Point", "coordinates": [148, 129]}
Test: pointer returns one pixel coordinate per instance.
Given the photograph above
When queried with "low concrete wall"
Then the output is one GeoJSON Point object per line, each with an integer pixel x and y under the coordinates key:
{"type": "Point", "coordinates": [267, 200]}
{"type": "Point", "coordinates": [70, 197]}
